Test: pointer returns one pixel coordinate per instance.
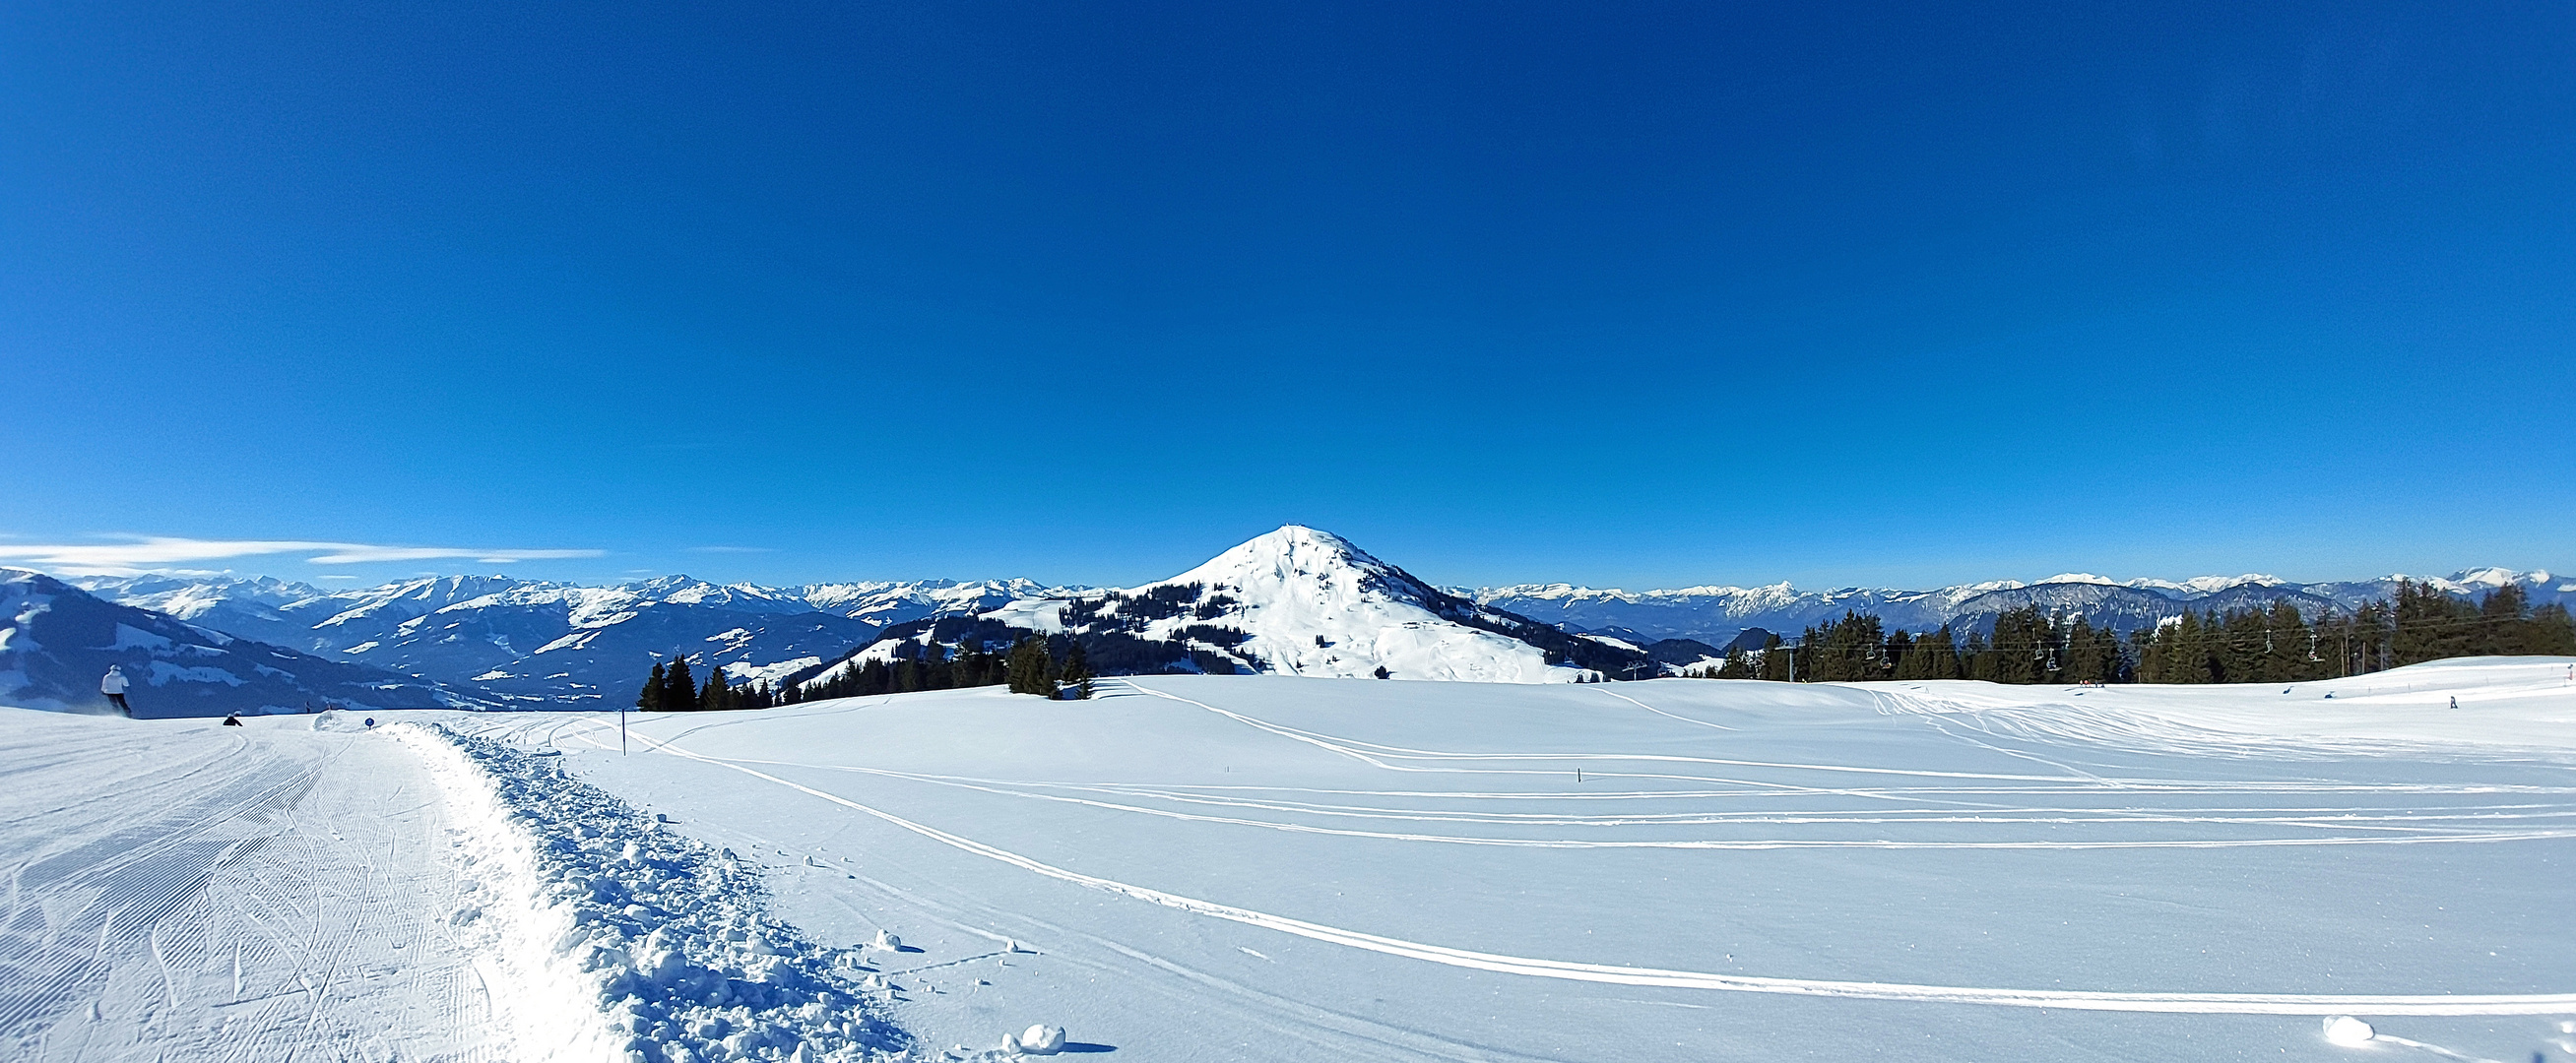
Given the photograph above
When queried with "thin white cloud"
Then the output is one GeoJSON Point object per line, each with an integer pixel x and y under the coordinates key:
{"type": "Point", "coordinates": [135, 554]}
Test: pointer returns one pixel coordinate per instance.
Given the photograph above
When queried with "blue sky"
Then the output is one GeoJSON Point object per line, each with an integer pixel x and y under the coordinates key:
{"type": "Point", "coordinates": [1617, 294]}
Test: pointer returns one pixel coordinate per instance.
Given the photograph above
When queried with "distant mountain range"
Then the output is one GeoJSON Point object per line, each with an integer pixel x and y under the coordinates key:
{"type": "Point", "coordinates": [1720, 614]}
{"type": "Point", "coordinates": [1296, 600]}
{"type": "Point", "coordinates": [537, 644]}
{"type": "Point", "coordinates": [57, 640]}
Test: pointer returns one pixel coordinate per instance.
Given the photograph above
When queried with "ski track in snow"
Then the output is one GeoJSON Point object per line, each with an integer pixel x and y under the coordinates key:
{"type": "Point", "coordinates": [2330, 819]}
{"type": "Point", "coordinates": [1387, 757]}
{"type": "Point", "coordinates": [307, 889]}
{"type": "Point", "coordinates": [194, 892]}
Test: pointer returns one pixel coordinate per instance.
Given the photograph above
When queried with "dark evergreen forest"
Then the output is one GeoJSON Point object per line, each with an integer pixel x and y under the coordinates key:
{"type": "Point", "coordinates": [671, 689]}
{"type": "Point", "coordinates": [2274, 645]}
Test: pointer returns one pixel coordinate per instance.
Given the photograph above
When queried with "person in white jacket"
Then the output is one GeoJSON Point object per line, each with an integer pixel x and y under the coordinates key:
{"type": "Point", "coordinates": [113, 685]}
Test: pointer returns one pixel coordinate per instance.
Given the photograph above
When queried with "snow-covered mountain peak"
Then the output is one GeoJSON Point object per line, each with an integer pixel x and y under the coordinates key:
{"type": "Point", "coordinates": [1304, 565]}
{"type": "Point", "coordinates": [2199, 585]}
{"type": "Point", "coordinates": [1303, 601]}
{"type": "Point", "coordinates": [887, 603]}
{"type": "Point", "coordinates": [190, 597]}
{"type": "Point", "coordinates": [2493, 578]}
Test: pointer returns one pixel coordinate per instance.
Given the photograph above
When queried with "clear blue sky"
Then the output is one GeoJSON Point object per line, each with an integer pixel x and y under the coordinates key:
{"type": "Point", "coordinates": [1618, 294]}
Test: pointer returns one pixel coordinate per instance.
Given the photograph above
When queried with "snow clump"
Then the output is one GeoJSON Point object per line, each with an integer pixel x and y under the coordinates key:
{"type": "Point", "coordinates": [1042, 1040]}
{"type": "Point", "coordinates": [669, 944]}
{"type": "Point", "coordinates": [2346, 1030]}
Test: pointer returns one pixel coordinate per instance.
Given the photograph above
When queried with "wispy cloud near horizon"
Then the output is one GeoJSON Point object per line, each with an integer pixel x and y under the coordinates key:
{"type": "Point", "coordinates": [129, 555]}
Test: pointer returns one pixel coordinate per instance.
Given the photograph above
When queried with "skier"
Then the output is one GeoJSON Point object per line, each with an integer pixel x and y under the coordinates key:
{"type": "Point", "coordinates": [2455, 704]}
{"type": "Point", "coordinates": [233, 720]}
{"type": "Point", "coordinates": [113, 685]}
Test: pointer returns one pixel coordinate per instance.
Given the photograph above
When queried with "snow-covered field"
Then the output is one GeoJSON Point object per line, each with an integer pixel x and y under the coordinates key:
{"type": "Point", "coordinates": [1263, 867]}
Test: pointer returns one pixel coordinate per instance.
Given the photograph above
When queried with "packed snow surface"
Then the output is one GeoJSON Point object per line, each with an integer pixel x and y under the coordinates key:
{"type": "Point", "coordinates": [182, 890]}
{"type": "Point", "coordinates": [1274, 867]}
{"type": "Point", "coordinates": [311, 887]}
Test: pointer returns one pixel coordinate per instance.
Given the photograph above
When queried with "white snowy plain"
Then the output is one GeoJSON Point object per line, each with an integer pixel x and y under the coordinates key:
{"type": "Point", "coordinates": [1266, 867]}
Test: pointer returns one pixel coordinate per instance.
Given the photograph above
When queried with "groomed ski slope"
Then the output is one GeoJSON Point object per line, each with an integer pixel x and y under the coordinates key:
{"type": "Point", "coordinates": [181, 890]}
{"type": "Point", "coordinates": [312, 888]}
{"type": "Point", "coordinates": [1280, 868]}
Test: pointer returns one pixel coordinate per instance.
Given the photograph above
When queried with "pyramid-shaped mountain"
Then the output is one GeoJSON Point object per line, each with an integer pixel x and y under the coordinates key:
{"type": "Point", "coordinates": [1296, 601]}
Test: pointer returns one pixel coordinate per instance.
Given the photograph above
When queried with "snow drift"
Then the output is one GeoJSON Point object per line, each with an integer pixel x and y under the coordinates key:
{"type": "Point", "coordinates": [623, 940]}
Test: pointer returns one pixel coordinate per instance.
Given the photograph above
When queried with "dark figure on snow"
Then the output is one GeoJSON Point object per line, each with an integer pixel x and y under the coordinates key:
{"type": "Point", "coordinates": [233, 720]}
{"type": "Point", "coordinates": [113, 685]}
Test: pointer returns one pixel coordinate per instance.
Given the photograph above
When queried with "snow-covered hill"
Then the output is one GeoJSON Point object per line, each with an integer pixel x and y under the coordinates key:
{"type": "Point", "coordinates": [1296, 601]}
{"type": "Point", "coordinates": [56, 640]}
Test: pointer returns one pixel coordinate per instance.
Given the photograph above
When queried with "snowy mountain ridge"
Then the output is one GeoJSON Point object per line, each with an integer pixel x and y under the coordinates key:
{"type": "Point", "coordinates": [57, 640]}
{"type": "Point", "coordinates": [1296, 601]}
{"type": "Point", "coordinates": [1717, 614]}
{"type": "Point", "coordinates": [537, 641]}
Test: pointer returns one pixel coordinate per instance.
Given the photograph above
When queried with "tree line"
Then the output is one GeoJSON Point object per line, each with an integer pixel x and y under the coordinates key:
{"type": "Point", "coordinates": [673, 689]}
{"type": "Point", "coordinates": [2277, 644]}
{"type": "Point", "coordinates": [1028, 667]}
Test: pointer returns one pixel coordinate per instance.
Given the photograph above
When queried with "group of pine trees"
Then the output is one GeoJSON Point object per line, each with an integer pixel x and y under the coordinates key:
{"type": "Point", "coordinates": [2268, 645]}
{"type": "Point", "coordinates": [1028, 667]}
{"type": "Point", "coordinates": [2026, 646]}
{"type": "Point", "coordinates": [2277, 645]}
{"type": "Point", "coordinates": [1034, 670]}
{"type": "Point", "coordinates": [912, 667]}
{"type": "Point", "coordinates": [673, 689]}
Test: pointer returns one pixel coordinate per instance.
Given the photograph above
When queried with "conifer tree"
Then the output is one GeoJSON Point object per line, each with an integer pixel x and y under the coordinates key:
{"type": "Point", "coordinates": [2431, 625]}
{"type": "Point", "coordinates": [1975, 660]}
{"type": "Point", "coordinates": [1077, 669]}
{"type": "Point", "coordinates": [1776, 662]}
{"type": "Point", "coordinates": [2550, 632]}
{"type": "Point", "coordinates": [1934, 656]}
{"type": "Point", "coordinates": [1738, 665]}
{"type": "Point", "coordinates": [2024, 643]}
{"type": "Point", "coordinates": [2502, 619]}
{"type": "Point", "coordinates": [650, 700]}
{"type": "Point", "coordinates": [2288, 642]}
{"type": "Point", "coordinates": [2092, 654]}
{"type": "Point", "coordinates": [679, 689]}
{"type": "Point", "coordinates": [1030, 666]}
